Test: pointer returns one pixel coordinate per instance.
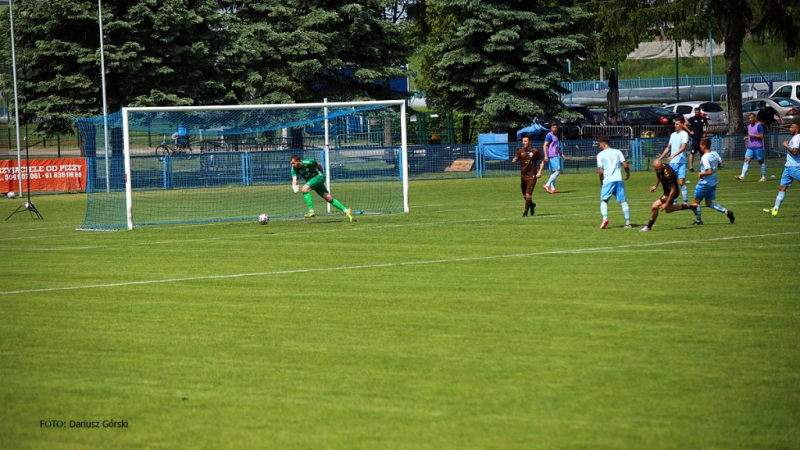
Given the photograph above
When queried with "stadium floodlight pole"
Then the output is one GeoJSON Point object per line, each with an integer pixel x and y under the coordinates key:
{"type": "Point", "coordinates": [711, 61]}
{"type": "Point", "coordinates": [16, 100]}
{"type": "Point", "coordinates": [103, 83]}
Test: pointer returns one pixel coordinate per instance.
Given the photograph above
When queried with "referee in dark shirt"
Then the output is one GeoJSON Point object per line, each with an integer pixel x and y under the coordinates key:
{"type": "Point", "coordinates": [766, 115]}
{"type": "Point", "coordinates": [697, 127]}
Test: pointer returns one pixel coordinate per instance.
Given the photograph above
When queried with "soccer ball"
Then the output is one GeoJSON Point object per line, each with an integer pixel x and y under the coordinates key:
{"type": "Point", "coordinates": [263, 219]}
{"type": "Point", "coordinates": [11, 195]}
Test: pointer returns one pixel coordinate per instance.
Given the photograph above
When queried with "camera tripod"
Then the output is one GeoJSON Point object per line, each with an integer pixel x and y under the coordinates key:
{"type": "Point", "coordinates": [28, 205]}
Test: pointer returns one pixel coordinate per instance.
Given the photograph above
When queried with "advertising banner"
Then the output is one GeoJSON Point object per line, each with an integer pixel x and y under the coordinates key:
{"type": "Point", "coordinates": [46, 175]}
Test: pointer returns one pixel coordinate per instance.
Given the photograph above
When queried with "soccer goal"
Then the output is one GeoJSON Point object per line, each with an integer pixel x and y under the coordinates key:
{"type": "Point", "coordinates": [180, 165]}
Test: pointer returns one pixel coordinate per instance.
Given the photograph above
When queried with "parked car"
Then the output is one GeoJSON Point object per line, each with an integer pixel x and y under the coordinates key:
{"type": "Point", "coordinates": [570, 124]}
{"type": "Point", "coordinates": [713, 111]}
{"type": "Point", "coordinates": [788, 108]}
{"type": "Point", "coordinates": [790, 90]}
{"type": "Point", "coordinates": [649, 115]}
{"type": "Point", "coordinates": [601, 117]}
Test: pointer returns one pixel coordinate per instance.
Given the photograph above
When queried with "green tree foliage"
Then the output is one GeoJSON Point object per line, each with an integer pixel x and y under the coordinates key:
{"type": "Point", "coordinates": [733, 20]}
{"type": "Point", "coordinates": [729, 21]}
{"type": "Point", "coordinates": [611, 35]}
{"type": "Point", "coordinates": [301, 51]}
{"type": "Point", "coordinates": [500, 61]}
{"type": "Point", "coordinates": [156, 53]}
{"type": "Point", "coordinates": [194, 52]}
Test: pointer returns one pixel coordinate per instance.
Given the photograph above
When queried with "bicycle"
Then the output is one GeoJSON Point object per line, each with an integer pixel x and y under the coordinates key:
{"type": "Point", "coordinates": [181, 149]}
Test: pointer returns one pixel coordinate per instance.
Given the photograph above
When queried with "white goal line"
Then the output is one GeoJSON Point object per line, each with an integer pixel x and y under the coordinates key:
{"type": "Point", "coordinates": [394, 264]}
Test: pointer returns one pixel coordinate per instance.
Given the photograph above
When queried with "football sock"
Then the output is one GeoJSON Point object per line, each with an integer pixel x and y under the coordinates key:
{"type": "Point", "coordinates": [552, 181]}
{"type": "Point", "coordinates": [336, 203]}
{"type": "Point", "coordinates": [745, 166]}
{"type": "Point", "coordinates": [779, 199]}
{"type": "Point", "coordinates": [604, 209]}
{"type": "Point", "coordinates": [650, 223]}
{"type": "Point", "coordinates": [309, 200]}
{"type": "Point", "coordinates": [626, 212]}
{"type": "Point", "coordinates": [685, 193]}
{"type": "Point", "coordinates": [697, 212]}
{"type": "Point", "coordinates": [528, 205]}
{"type": "Point", "coordinates": [764, 170]}
{"type": "Point", "coordinates": [718, 207]}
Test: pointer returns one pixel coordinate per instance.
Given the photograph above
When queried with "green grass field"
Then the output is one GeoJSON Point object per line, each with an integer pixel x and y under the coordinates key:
{"type": "Point", "coordinates": [458, 325]}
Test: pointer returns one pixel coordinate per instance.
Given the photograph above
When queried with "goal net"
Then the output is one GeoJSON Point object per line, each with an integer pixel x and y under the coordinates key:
{"type": "Point", "coordinates": [180, 165]}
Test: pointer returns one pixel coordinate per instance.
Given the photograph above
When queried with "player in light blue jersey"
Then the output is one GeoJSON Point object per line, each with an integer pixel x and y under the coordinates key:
{"type": "Point", "coordinates": [677, 155]}
{"type": "Point", "coordinates": [610, 161]}
{"type": "Point", "coordinates": [791, 170]}
{"type": "Point", "coordinates": [706, 188]}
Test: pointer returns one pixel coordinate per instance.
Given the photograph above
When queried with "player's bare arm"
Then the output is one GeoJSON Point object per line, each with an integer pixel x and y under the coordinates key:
{"type": "Point", "coordinates": [655, 186]}
{"type": "Point", "coordinates": [600, 171]}
{"type": "Point", "coordinates": [627, 169]}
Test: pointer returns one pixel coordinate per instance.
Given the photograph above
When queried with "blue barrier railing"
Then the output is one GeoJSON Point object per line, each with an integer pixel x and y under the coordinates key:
{"type": "Point", "coordinates": [683, 80]}
{"type": "Point", "coordinates": [639, 152]}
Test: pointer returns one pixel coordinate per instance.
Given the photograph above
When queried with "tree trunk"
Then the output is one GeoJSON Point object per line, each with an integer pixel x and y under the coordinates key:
{"type": "Point", "coordinates": [466, 135]}
{"type": "Point", "coordinates": [734, 37]}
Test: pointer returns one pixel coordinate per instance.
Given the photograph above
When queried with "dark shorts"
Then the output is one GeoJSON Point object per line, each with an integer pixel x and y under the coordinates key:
{"type": "Point", "coordinates": [527, 184]}
{"type": "Point", "coordinates": [696, 145]}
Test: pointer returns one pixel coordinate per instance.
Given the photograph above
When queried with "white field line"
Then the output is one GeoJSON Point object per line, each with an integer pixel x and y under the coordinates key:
{"type": "Point", "coordinates": [173, 227]}
{"type": "Point", "coordinates": [563, 199]}
{"type": "Point", "coordinates": [287, 233]}
{"type": "Point", "coordinates": [395, 264]}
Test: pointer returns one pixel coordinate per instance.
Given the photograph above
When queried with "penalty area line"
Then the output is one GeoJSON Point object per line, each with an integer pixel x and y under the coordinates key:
{"type": "Point", "coordinates": [394, 264]}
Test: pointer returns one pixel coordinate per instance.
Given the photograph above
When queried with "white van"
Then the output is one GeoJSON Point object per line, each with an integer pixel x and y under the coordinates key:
{"type": "Point", "coordinates": [790, 90]}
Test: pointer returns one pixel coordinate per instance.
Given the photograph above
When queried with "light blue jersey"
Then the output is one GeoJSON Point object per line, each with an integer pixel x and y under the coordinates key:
{"type": "Point", "coordinates": [610, 160]}
{"type": "Point", "coordinates": [676, 140]}
{"type": "Point", "coordinates": [710, 160]}
{"type": "Point", "coordinates": [793, 160]}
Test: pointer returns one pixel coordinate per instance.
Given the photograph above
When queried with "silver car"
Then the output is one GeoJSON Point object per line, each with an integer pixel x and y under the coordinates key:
{"type": "Point", "coordinates": [788, 108]}
{"type": "Point", "coordinates": [716, 115]}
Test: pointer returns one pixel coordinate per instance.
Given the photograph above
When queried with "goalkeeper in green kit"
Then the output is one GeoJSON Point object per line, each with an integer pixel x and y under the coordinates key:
{"type": "Point", "coordinates": [312, 172]}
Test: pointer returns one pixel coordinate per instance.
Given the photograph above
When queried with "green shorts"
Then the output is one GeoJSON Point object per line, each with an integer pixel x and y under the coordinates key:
{"type": "Point", "coordinates": [318, 184]}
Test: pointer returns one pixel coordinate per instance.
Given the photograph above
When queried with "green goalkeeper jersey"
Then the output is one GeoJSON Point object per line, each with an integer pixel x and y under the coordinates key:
{"type": "Point", "coordinates": [309, 170]}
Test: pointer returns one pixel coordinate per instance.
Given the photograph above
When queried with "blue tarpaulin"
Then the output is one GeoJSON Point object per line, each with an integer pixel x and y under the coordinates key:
{"type": "Point", "coordinates": [534, 132]}
{"type": "Point", "coordinates": [493, 146]}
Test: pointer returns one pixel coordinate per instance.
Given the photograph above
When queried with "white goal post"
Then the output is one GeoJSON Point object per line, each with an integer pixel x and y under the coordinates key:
{"type": "Point", "coordinates": [320, 118]}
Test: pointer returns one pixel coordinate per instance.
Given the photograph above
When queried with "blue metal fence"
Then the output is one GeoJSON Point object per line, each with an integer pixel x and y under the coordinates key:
{"type": "Point", "coordinates": [639, 152]}
{"type": "Point", "coordinates": [684, 80]}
